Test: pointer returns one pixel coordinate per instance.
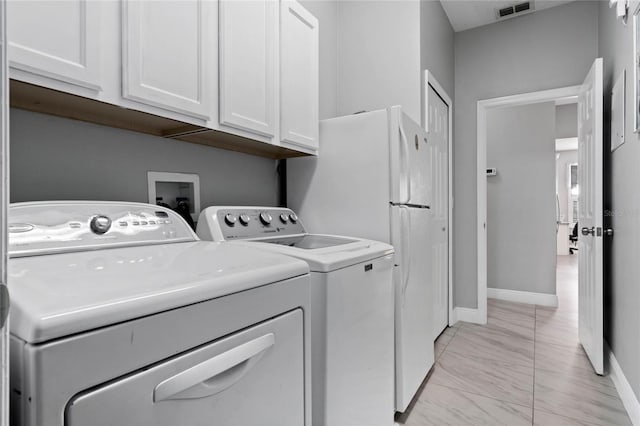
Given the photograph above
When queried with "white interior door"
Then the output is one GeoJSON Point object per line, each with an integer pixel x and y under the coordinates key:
{"type": "Point", "coordinates": [438, 136]}
{"type": "Point", "coordinates": [590, 216]}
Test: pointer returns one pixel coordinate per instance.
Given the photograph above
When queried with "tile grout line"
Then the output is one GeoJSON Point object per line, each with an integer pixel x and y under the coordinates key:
{"type": "Point", "coordinates": [471, 391]}
{"type": "Point", "coordinates": [445, 347]}
{"type": "Point", "coordinates": [480, 395]}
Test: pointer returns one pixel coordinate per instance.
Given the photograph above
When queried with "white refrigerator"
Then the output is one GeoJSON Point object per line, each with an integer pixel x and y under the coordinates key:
{"type": "Point", "coordinates": [371, 179]}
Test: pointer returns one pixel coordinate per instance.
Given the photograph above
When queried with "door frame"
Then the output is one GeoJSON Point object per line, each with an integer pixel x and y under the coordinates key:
{"type": "Point", "coordinates": [482, 108]}
{"type": "Point", "coordinates": [430, 80]}
{"type": "Point", "coordinates": [4, 205]}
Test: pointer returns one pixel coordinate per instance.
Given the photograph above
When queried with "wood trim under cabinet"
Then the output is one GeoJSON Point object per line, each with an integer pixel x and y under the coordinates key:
{"type": "Point", "coordinates": [48, 101]}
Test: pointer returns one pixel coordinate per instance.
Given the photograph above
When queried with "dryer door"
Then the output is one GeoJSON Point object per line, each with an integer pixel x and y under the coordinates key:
{"type": "Point", "coordinates": [254, 377]}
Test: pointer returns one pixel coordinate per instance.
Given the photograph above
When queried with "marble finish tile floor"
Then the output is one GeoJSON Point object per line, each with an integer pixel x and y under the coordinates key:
{"type": "Point", "coordinates": [525, 367]}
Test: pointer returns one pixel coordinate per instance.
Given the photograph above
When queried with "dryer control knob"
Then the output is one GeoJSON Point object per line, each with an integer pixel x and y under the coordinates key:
{"type": "Point", "coordinates": [284, 218]}
{"type": "Point", "coordinates": [265, 218]}
{"type": "Point", "coordinates": [230, 219]}
{"type": "Point", "coordinates": [293, 218]}
{"type": "Point", "coordinates": [244, 219]}
{"type": "Point", "coordinates": [100, 224]}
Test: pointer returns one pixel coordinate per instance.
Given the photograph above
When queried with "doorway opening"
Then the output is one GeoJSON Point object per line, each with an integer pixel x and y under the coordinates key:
{"type": "Point", "coordinates": [590, 177]}
{"type": "Point", "coordinates": [486, 172]}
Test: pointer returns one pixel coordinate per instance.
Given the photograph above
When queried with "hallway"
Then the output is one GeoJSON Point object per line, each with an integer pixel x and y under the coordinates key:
{"type": "Point", "coordinates": [525, 367]}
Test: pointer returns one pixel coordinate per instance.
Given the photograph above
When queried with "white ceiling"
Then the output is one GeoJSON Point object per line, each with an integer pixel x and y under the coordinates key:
{"type": "Point", "coordinates": [466, 14]}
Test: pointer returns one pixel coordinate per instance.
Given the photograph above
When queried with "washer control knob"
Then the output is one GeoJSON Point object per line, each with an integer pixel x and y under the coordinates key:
{"type": "Point", "coordinates": [284, 218]}
{"type": "Point", "coordinates": [244, 219]}
{"type": "Point", "coordinates": [100, 224]}
{"type": "Point", "coordinates": [230, 219]}
{"type": "Point", "coordinates": [293, 218]}
{"type": "Point", "coordinates": [265, 218]}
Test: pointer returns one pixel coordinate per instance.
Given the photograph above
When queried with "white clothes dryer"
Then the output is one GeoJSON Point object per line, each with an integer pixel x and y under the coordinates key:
{"type": "Point", "coordinates": [351, 309]}
{"type": "Point", "coordinates": [121, 316]}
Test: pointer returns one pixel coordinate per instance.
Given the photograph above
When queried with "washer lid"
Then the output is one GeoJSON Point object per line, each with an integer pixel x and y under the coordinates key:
{"type": "Point", "coordinates": [311, 241]}
{"type": "Point", "coordinates": [61, 294]}
{"type": "Point", "coordinates": [325, 253]}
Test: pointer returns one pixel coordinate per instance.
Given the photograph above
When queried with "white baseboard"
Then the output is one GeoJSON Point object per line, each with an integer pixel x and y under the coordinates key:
{"type": "Point", "coordinates": [628, 397]}
{"type": "Point", "coordinates": [467, 315]}
{"type": "Point", "coordinates": [542, 299]}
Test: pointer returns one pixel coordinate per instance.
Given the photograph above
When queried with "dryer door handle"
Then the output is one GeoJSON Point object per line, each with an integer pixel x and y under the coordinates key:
{"type": "Point", "coordinates": [215, 374]}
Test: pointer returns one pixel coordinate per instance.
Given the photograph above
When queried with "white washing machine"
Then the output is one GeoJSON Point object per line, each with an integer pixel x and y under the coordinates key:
{"type": "Point", "coordinates": [351, 309]}
{"type": "Point", "coordinates": [121, 316]}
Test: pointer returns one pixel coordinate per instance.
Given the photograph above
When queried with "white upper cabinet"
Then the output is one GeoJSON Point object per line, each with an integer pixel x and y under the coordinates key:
{"type": "Point", "coordinates": [248, 65]}
{"type": "Point", "coordinates": [298, 76]}
{"type": "Point", "coordinates": [166, 56]}
{"type": "Point", "coordinates": [56, 39]}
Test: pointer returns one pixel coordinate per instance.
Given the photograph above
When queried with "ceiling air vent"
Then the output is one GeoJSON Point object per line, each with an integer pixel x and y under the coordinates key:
{"type": "Point", "coordinates": [505, 11]}
{"type": "Point", "coordinates": [514, 10]}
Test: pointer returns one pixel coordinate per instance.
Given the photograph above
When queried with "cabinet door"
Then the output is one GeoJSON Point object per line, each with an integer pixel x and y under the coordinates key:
{"type": "Point", "coordinates": [166, 53]}
{"type": "Point", "coordinates": [248, 65]}
{"type": "Point", "coordinates": [56, 39]}
{"type": "Point", "coordinates": [298, 76]}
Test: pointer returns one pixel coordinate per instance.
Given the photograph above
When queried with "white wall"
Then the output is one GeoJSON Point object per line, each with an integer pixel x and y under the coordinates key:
{"type": "Point", "coordinates": [521, 204]}
{"type": "Point", "coordinates": [544, 50]}
{"type": "Point", "coordinates": [379, 56]}
{"type": "Point", "coordinates": [562, 163]}
{"type": "Point", "coordinates": [567, 121]}
{"type": "Point", "coordinates": [56, 158]}
{"type": "Point", "coordinates": [622, 203]}
{"type": "Point", "coordinates": [566, 127]}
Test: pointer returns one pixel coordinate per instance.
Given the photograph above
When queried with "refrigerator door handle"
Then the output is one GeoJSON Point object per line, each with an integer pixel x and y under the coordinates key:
{"type": "Point", "coordinates": [405, 145]}
{"type": "Point", "coordinates": [406, 246]}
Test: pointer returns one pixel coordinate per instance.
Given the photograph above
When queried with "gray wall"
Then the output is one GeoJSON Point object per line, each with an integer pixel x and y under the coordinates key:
{"type": "Point", "coordinates": [567, 121]}
{"type": "Point", "coordinates": [544, 50]}
{"type": "Point", "coordinates": [327, 13]}
{"type": "Point", "coordinates": [57, 158]}
{"type": "Point", "coordinates": [436, 44]}
{"type": "Point", "coordinates": [379, 56]}
{"type": "Point", "coordinates": [564, 159]}
{"type": "Point", "coordinates": [521, 205]}
{"type": "Point", "coordinates": [383, 48]}
{"type": "Point", "coordinates": [622, 200]}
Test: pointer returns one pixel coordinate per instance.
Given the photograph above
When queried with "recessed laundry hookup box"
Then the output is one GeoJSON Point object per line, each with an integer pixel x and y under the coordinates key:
{"type": "Point", "coordinates": [169, 189]}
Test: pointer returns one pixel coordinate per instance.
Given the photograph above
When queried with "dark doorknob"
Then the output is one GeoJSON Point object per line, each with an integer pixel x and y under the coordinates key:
{"type": "Point", "coordinates": [587, 231]}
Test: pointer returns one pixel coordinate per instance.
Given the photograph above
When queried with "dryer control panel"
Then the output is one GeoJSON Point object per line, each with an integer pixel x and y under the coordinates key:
{"type": "Point", "coordinates": [226, 223]}
{"type": "Point", "coordinates": [65, 226]}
